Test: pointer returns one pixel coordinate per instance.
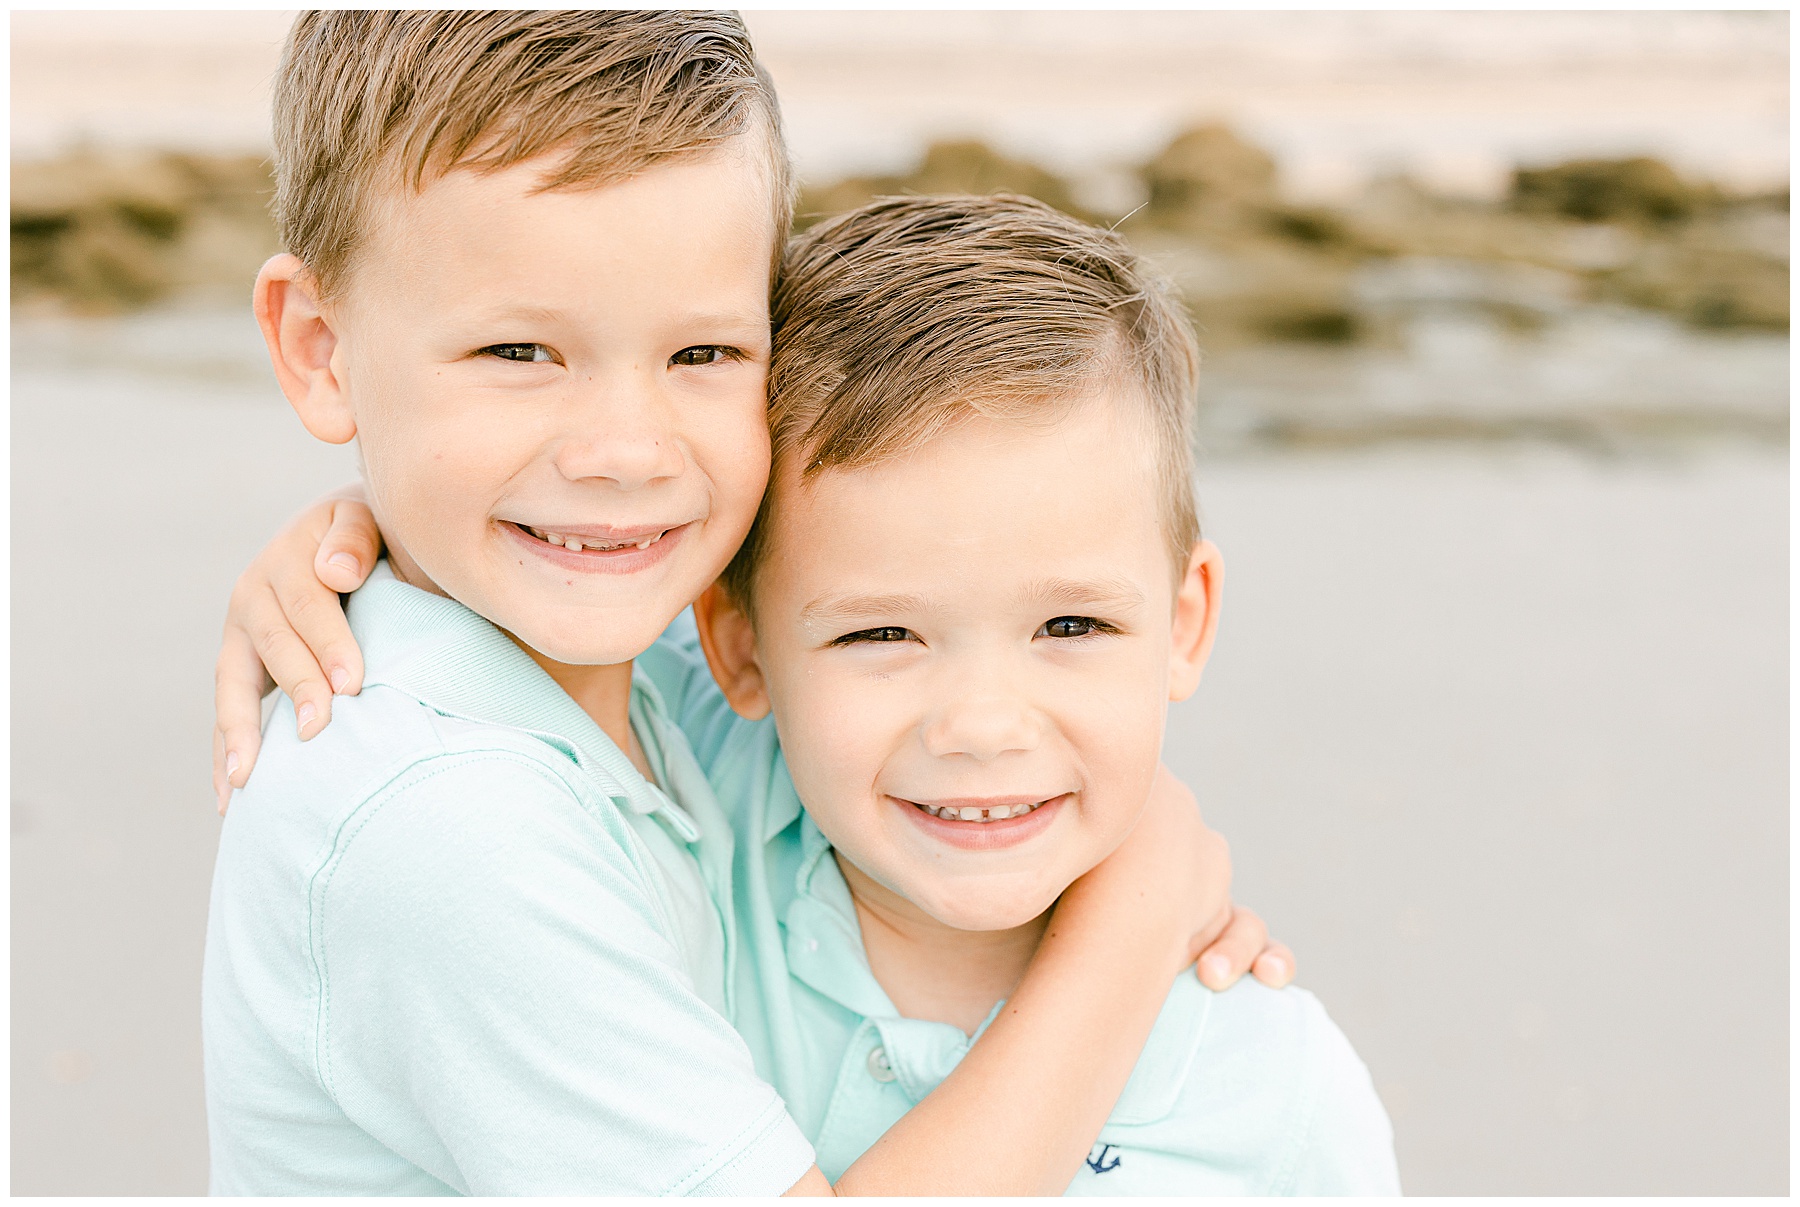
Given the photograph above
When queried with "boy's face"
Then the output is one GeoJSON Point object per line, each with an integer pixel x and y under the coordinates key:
{"type": "Point", "coordinates": [559, 395]}
{"type": "Point", "coordinates": [989, 623]}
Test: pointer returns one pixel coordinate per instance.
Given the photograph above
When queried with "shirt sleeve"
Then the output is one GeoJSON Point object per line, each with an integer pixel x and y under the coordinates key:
{"type": "Point", "coordinates": [499, 1001]}
{"type": "Point", "coordinates": [1347, 1144]}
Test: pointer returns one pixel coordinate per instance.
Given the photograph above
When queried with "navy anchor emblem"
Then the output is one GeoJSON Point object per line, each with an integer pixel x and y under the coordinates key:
{"type": "Point", "coordinates": [1099, 1164]}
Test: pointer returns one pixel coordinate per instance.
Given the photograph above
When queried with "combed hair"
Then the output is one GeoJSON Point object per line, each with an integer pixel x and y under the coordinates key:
{"type": "Point", "coordinates": [368, 101]}
{"type": "Point", "coordinates": [896, 321]}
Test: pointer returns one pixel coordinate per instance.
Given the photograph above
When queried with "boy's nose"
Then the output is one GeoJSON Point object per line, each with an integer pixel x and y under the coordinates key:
{"type": "Point", "coordinates": [983, 727]}
{"type": "Point", "coordinates": [630, 460]}
{"type": "Point", "coordinates": [625, 438]}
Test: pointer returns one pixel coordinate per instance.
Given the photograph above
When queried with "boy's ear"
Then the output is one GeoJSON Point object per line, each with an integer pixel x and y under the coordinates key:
{"type": "Point", "coordinates": [730, 646]}
{"type": "Point", "coordinates": [302, 347]}
{"type": "Point", "coordinates": [1196, 619]}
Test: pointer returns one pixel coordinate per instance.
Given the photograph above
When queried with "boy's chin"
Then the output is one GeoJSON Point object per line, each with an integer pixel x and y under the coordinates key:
{"type": "Point", "coordinates": [586, 643]}
{"type": "Point", "coordinates": [1007, 910]}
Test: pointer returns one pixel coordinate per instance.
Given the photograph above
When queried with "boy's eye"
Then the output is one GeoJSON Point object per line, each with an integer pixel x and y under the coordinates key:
{"type": "Point", "coordinates": [885, 633]}
{"type": "Point", "coordinates": [1074, 626]}
{"type": "Point", "coordinates": [530, 353]}
{"type": "Point", "coordinates": [702, 354]}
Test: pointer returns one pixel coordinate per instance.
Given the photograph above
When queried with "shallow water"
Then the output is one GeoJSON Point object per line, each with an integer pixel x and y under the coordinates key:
{"type": "Point", "coordinates": [1498, 734]}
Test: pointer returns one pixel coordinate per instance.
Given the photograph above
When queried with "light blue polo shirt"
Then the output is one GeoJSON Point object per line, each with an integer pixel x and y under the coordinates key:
{"type": "Point", "coordinates": [1252, 1091]}
{"type": "Point", "coordinates": [458, 944]}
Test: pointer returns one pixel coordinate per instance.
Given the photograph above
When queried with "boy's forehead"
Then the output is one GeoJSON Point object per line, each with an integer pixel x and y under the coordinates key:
{"type": "Point", "coordinates": [1092, 459]}
{"type": "Point", "coordinates": [1106, 428]}
{"type": "Point", "coordinates": [470, 216]}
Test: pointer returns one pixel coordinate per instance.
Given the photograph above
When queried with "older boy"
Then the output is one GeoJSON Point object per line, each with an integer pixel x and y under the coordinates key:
{"type": "Point", "coordinates": [476, 937]}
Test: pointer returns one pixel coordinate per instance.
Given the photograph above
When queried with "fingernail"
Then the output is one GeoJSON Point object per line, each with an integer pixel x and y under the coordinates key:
{"type": "Point", "coordinates": [1274, 969]}
{"type": "Point", "coordinates": [339, 677]}
{"type": "Point", "coordinates": [306, 714]}
{"type": "Point", "coordinates": [346, 561]}
{"type": "Point", "coordinates": [1218, 969]}
{"type": "Point", "coordinates": [231, 763]}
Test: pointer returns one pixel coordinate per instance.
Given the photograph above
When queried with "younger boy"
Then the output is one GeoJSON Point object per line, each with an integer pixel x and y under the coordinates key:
{"type": "Point", "coordinates": [477, 937]}
{"type": "Point", "coordinates": [942, 662]}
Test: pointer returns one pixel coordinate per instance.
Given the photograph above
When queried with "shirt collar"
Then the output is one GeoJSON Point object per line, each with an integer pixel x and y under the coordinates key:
{"type": "Point", "coordinates": [824, 939]}
{"type": "Point", "coordinates": [825, 951]}
{"type": "Point", "coordinates": [457, 663]}
{"type": "Point", "coordinates": [783, 805]}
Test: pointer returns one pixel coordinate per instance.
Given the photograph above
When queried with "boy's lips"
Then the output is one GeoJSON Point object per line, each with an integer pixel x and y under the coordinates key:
{"type": "Point", "coordinates": [983, 823]}
{"type": "Point", "coordinates": [597, 548]}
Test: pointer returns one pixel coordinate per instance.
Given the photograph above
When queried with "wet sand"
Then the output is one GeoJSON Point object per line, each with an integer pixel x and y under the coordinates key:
{"type": "Point", "coordinates": [1499, 738]}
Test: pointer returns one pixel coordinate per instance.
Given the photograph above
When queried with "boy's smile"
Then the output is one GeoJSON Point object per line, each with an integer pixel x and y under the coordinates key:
{"type": "Point", "coordinates": [969, 651]}
{"type": "Point", "coordinates": [559, 395]}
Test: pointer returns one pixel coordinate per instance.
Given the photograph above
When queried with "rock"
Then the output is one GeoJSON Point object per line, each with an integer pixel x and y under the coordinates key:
{"type": "Point", "coordinates": [1640, 189]}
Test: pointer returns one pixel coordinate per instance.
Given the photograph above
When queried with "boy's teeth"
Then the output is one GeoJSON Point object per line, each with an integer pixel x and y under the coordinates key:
{"type": "Point", "coordinates": [576, 544]}
{"type": "Point", "coordinates": [971, 813]}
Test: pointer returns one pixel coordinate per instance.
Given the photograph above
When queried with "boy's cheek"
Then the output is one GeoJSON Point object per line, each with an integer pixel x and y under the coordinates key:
{"type": "Point", "coordinates": [834, 742]}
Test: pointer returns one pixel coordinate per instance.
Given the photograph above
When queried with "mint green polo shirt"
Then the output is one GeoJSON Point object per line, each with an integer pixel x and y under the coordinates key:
{"type": "Point", "coordinates": [458, 944]}
{"type": "Point", "coordinates": [1252, 1091]}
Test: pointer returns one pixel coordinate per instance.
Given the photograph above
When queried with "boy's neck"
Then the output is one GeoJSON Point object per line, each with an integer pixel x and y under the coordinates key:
{"type": "Point", "coordinates": [602, 692]}
{"type": "Point", "coordinates": [933, 971]}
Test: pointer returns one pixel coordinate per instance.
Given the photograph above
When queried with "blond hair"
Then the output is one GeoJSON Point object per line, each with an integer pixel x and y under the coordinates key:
{"type": "Point", "coordinates": [374, 100]}
{"type": "Point", "coordinates": [898, 320]}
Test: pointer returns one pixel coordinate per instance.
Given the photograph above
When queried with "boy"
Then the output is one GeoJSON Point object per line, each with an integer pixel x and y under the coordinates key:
{"type": "Point", "coordinates": [974, 584]}
{"type": "Point", "coordinates": [477, 938]}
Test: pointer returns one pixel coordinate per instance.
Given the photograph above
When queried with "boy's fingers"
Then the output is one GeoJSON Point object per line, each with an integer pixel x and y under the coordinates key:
{"type": "Point", "coordinates": [351, 545]}
{"type": "Point", "coordinates": [238, 686]}
{"type": "Point", "coordinates": [1232, 953]}
{"type": "Point", "coordinates": [221, 788]}
{"type": "Point", "coordinates": [1275, 966]}
{"type": "Point", "coordinates": [290, 663]}
{"type": "Point", "coordinates": [316, 615]}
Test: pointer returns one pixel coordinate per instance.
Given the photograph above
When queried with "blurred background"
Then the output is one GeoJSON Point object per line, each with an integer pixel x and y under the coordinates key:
{"type": "Point", "coordinates": [1493, 434]}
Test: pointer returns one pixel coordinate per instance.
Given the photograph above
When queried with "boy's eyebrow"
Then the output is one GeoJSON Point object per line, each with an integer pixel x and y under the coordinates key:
{"type": "Point", "coordinates": [837, 607]}
{"type": "Point", "coordinates": [519, 312]}
{"type": "Point", "coordinates": [729, 318]}
{"type": "Point", "coordinates": [1094, 593]}
{"type": "Point", "coordinates": [737, 321]}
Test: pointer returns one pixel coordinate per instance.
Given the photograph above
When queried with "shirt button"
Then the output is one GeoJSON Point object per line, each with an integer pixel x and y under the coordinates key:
{"type": "Point", "coordinates": [812, 945]}
{"type": "Point", "coordinates": [879, 1068]}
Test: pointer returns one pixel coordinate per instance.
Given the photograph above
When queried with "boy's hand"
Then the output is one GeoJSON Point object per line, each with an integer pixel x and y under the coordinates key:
{"type": "Point", "coordinates": [1172, 857]}
{"type": "Point", "coordinates": [286, 628]}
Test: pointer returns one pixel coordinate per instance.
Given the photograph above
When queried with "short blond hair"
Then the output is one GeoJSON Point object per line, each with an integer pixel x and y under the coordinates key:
{"type": "Point", "coordinates": [896, 321]}
{"type": "Point", "coordinates": [374, 100]}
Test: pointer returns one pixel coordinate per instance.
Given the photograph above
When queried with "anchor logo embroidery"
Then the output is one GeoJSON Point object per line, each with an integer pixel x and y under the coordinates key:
{"type": "Point", "coordinates": [1099, 1164]}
